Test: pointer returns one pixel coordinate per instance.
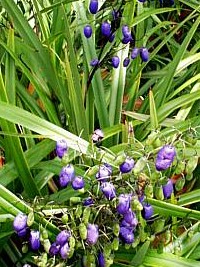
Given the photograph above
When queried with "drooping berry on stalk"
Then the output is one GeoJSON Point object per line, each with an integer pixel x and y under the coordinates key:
{"type": "Point", "coordinates": [127, 165]}
{"type": "Point", "coordinates": [144, 54]}
{"type": "Point", "coordinates": [93, 6]}
{"type": "Point", "coordinates": [87, 31]}
{"type": "Point", "coordinates": [168, 189]}
{"type": "Point", "coordinates": [78, 183]}
{"type": "Point", "coordinates": [115, 62]}
{"type": "Point", "coordinates": [66, 175]}
{"type": "Point", "coordinates": [34, 239]}
{"type": "Point", "coordinates": [147, 211]}
{"type": "Point", "coordinates": [106, 29]}
{"type": "Point", "coordinates": [92, 234]}
{"type": "Point", "coordinates": [61, 148]}
{"type": "Point", "coordinates": [135, 52]}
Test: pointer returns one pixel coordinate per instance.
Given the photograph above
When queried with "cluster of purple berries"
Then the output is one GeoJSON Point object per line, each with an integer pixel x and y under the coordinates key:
{"type": "Point", "coordinates": [21, 228]}
{"type": "Point", "coordinates": [107, 32]}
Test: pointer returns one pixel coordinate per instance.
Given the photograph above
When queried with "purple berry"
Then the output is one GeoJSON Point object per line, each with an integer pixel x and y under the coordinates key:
{"type": "Point", "coordinates": [126, 40]}
{"type": "Point", "coordinates": [126, 235]}
{"type": "Point", "coordinates": [126, 61]}
{"type": "Point", "coordinates": [147, 211]}
{"type": "Point", "coordinates": [88, 201]}
{"type": "Point", "coordinates": [168, 189]}
{"type": "Point", "coordinates": [54, 249]}
{"type": "Point", "coordinates": [106, 29]}
{"type": "Point", "coordinates": [93, 6]}
{"type": "Point", "coordinates": [125, 31]}
{"type": "Point", "coordinates": [123, 203]}
{"type": "Point", "coordinates": [101, 260]}
{"type": "Point", "coordinates": [111, 38]}
{"type": "Point", "coordinates": [127, 165]}
{"type": "Point", "coordinates": [20, 222]}
{"type": "Point", "coordinates": [92, 234]}
{"type": "Point", "coordinates": [97, 135]}
{"type": "Point", "coordinates": [94, 62]}
{"type": "Point", "coordinates": [135, 52]}
{"type": "Point", "coordinates": [108, 190]}
{"type": "Point", "coordinates": [34, 239]}
{"type": "Point", "coordinates": [115, 62]}
{"type": "Point", "coordinates": [87, 31]}
{"type": "Point", "coordinates": [66, 175]}
{"type": "Point", "coordinates": [144, 54]}
{"type": "Point", "coordinates": [61, 148]}
{"type": "Point", "coordinates": [62, 237]}
{"type": "Point", "coordinates": [78, 183]}
{"type": "Point", "coordinates": [64, 251]}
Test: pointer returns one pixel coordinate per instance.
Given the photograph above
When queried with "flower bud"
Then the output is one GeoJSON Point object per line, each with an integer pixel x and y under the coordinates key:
{"type": "Point", "coordinates": [61, 148]}
{"type": "Point", "coordinates": [191, 164]}
{"type": "Point", "coordinates": [93, 6]}
{"type": "Point", "coordinates": [127, 165]}
{"type": "Point", "coordinates": [147, 211]}
{"type": "Point", "coordinates": [66, 175]}
{"type": "Point", "coordinates": [108, 190]}
{"type": "Point", "coordinates": [64, 251]}
{"type": "Point", "coordinates": [74, 200]}
{"type": "Point", "coordinates": [106, 29]}
{"type": "Point", "coordinates": [111, 38]}
{"type": "Point", "coordinates": [46, 244]}
{"type": "Point", "coordinates": [126, 31]}
{"type": "Point", "coordinates": [62, 237]}
{"type": "Point", "coordinates": [87, 31]}
{"type": "Point", "coordinates": [144, 54]}
{"type": "Point", "coordinates": [168, 189]}
{"type": "Point", "coordinates": [115, 62]}
{"type": "Point", "coordinates": [149, 191]}
{"type": "Point", "coordinates": [20, 222]}
{"type": "Point", "coordinates": [34, 239]}
{"type": "Point", "coordinates": [92, 234]}
{"type": "Point", "coordinates": [82, 231]}
{"type": "Point", "coordinates": [78, 183]}
{"type": "Point", "coordinates": [126, 40]}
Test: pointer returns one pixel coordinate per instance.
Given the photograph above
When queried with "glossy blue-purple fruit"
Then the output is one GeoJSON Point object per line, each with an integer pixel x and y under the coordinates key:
{"type": "Point", "coordinates": [108, 190]}
{"type": "Point", "coordinates": [78, 183]}
{"type": "Point", "coordinates": [126, 62]}
{"type": "Point", "coordinates": [126, 40]}
{"type": "Point", "coordinates": [61, 148]}
{"type": "Point", "coordinates": [87, 31]}
{"type": "Point", "coordinates": [92, 234]}
{"type": "Point", "coordinates": [94, 62]}
{"type": "Point", "coordinates": [168, 189]}
{"type": "Point", "coordinates": [106, 29]}
{"type": "Point", "coordinates": [64, 251]}
{"type": "Point", "coordinates": [62, 237]}
{"type": "Point", "coordinates": [20, 222]}
{"type": "Point", "coordinates": [93, 6]}
{"type": "Point", "coordinates": [126, 31]}
{"type": "Point", "coordinates": [147, 211]}
{"type": "Point", "coordinates": [34, 239]}
{"type": "Point", "coordinates": [144, 54]}
{"type": "Point", "coordinates": [127, 165]}
{"type": "Point", "coordinates": [115, 62]}
{"type": "Point", "coordinates": [66, 175]}
{"type": "Point", "coordinates": [135, 52]}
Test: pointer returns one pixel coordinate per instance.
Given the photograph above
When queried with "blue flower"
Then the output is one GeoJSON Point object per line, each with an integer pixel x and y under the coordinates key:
{"type": "Point", "coordinates": [64, 251]}
{"type": "Point", "coordinates": [144, 54]}
{"type": "Point", "coordinates": [106, 29]}
{"type": "Point", "coordinates": [123, 203]}
{"type": "Point", "coordinates": [168, 189]}
{"type": "Point", "coordinates": [115, 61]}
{"type": "Point", "coordinates": [126, 235]}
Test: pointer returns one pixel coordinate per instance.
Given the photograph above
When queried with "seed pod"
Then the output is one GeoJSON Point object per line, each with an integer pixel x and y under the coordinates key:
{"type": "Point", "coordinates": [78, 211]}
{"type": "Point", "coordinates": [191, 164]}
{"type": "Point", "coordinates": [136, 205]}
{"type": "Point", "coordinates": [115, 244]}
{"type": "Point", "coordinates": [86, 214]}
{"type": "Point", "coordinates": [72, 242]}
{"type": "Point", "coordinates": [149, 191]}
{"type": "Point", "coordinates": [46, 244]}
{"type": "Point", "coordinates": [43, 233]}
{"type": "Point", "coordinates": [30, 218]}
{"type": "Point", "coordinates": [74, 200]}
{"type": "Point", "coordinates": [180, 166]}
{"type": "Point", "coordinates": [189, 176]}
{"type": "Point", "coordinates": [71, 253]}
{"type": "Point", "coordinates": [107, 249]}
{"type": "Point", "coordinates": [158, 192]}
{"type": "Point", "coordinates": [108, 262]}
{"type": "Point", "coordinates": [158, 225]}
{"type": "Point", "coordinates": [180, 184]}
{"type": "Point", "coordinates": [82, 231]}
{"type": "Point", "coordinates": [25, 248]}
{"type": "Point", "coordinates": [139, 166]}
{"type": "Point", "coordinates": [116, 229]}
{"type": "Point", "coordinates": [65, 218]}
